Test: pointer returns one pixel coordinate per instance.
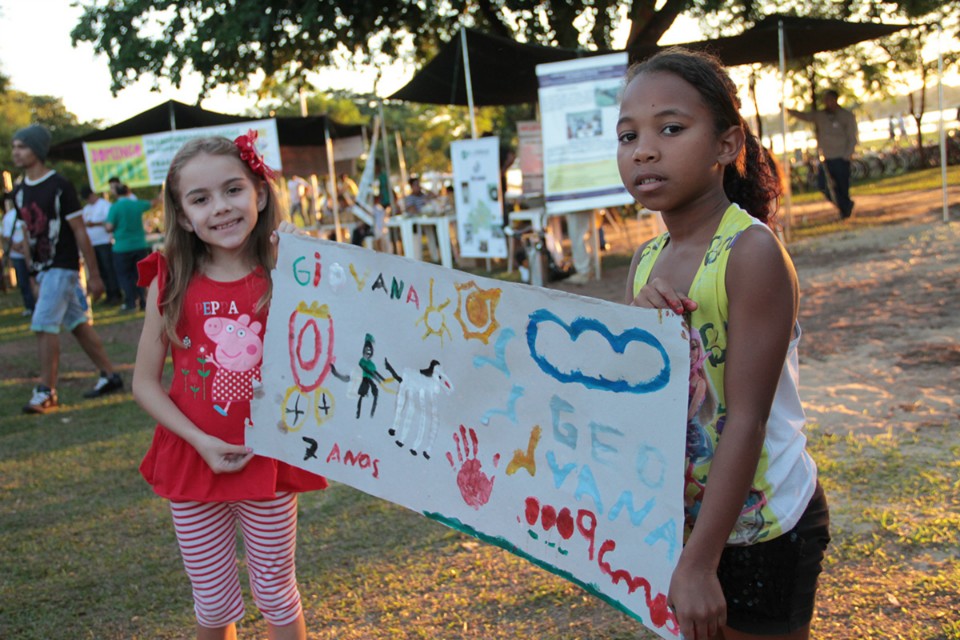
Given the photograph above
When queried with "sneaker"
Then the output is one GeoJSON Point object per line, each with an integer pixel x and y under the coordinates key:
{"type": "Point", "coordinates": [106, 384]}
{"type": "Point", "coordinates": [44, 399]}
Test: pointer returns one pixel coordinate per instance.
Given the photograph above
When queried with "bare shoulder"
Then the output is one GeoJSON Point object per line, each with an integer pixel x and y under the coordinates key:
{"type": "Point", "coordinates": [760, 268]}
{"type": "Point", "coordinates": [757, 245]}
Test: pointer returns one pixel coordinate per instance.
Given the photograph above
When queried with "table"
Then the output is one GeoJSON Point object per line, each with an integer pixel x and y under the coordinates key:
{"type": "Point", "coordinates": [411, 240]}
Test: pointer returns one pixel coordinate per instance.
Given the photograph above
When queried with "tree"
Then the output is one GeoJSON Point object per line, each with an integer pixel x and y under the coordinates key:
{"type": "Point", "coordinates": [229, 42]}
{"type": "Point", "coordinates": [270, 45]}
{"type": "Point", "coordinates": [18, 109]}
{"type": "Point", "coordinates": [905, 54]}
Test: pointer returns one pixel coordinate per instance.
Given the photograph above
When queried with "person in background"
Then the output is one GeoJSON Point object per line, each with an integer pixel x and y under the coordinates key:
{"type": "Point", "coordinates": [220, 211]}
{"type": "Point", "coordinates": [95, 214]}
{"type": "Point", "coordinates": [125, 221]}
{"type": "Point", "coordinates": [387, 197]}
{"type": "Point", "coordinates": [581, 225]}
{"type": "Point", "coordinates": [836, 131]}
{"type": "Point", "coordinates": [414, 201]}
{"type": "Point", "coordinates": [301, 195]}
{"type": "Point", "coordinates": [16, 250]}
{"type": "Point", "coordinates": [115, 184]}
{"type": "Point", "coordinates": [53, 219]}
{"type": "Point", "coordinates": [347, 190]}
{"type": "Point", "coordinates": [757, 521]}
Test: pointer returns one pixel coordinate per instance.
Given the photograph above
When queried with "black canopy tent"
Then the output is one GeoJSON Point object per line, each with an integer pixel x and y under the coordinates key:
{"type": "Point", "coordinates": [503, 71]}
{"type": "Point", "coordinates": [302, 140]}
{"type": "Point", "coordinates": [802, 37]}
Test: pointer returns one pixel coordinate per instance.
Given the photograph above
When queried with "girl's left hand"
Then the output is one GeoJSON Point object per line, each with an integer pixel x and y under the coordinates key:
{"type": "Point", "coordinates": [658, 294]}
{"type": "Point", "coordinates": [697, 601]}
{"type": "Point", "coordinates": [286, 227]}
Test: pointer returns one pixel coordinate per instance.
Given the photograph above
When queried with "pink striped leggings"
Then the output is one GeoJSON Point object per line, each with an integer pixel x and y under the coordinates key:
{"type": "Point", "coordinates": [207, 534]}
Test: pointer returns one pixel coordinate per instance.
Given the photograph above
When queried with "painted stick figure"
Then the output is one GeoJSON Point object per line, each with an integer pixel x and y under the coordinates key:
{"type": "Point", "coordinates": [368, 377]}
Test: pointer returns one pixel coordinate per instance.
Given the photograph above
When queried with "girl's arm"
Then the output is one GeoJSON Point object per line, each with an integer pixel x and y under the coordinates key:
{"type": "Point", "coordinates": [763, 296]}
{"type": "Point", "coordinates": [150, 394]}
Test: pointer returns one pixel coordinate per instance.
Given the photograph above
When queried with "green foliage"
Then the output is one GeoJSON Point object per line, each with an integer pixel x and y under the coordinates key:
{"type": "Point", "coordinates": [18, 109]}
{"type": "Point", "coordinates": [228, 43]}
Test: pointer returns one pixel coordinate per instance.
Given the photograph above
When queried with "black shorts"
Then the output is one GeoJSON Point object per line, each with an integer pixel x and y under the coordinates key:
{"type": "Point", "coordinates": [770, 587]}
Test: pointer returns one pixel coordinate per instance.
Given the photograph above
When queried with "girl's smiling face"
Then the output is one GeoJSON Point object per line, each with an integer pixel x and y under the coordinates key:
{"type": "Point", "coordinates": [669, 154]}
{"type": "Point", "coordinates": [219, 201]}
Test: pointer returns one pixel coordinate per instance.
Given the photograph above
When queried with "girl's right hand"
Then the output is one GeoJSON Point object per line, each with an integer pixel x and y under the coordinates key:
{"type": "Point", "coordinates": [658, 294]}
{"type": "Point", "coordinates": [222, 457]}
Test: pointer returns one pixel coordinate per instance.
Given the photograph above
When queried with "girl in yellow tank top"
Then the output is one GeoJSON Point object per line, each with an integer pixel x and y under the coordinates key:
{"type": "Point", "coordinates": [756, 521]}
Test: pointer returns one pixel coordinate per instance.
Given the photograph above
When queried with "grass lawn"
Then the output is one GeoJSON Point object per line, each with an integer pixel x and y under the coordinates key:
{"type": "Point", "coordinates": [87, 551]}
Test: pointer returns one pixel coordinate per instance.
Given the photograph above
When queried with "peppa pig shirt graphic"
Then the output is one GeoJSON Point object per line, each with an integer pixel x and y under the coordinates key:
{"type": "Point", "coordinates": [219, 363]}
{"type": "Point", "coordinates": [237, 354]}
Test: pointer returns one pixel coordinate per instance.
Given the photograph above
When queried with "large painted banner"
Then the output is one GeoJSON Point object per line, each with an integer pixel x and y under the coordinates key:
{"type": "Point", "coordinates": [477, 198]}
{"type": "Point", "coordinates": [579, 108]}
{"type": "Point", "coordinates": [549, 424]}
{"type": "Point", "coordinates": [141, 161]}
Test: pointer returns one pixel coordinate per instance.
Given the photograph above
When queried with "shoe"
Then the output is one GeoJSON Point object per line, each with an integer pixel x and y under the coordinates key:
{"type": "Point", "coordinates": [127, 309]}
{"type": "Point", "coordinates": [26, 313]}
{"type": "Point", "coordinates": [44, 399]}
{"type": "Point", "coordinates": [106, 384]}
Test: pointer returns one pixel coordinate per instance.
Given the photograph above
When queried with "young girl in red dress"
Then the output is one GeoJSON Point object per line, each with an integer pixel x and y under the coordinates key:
{"type": "Point", "coordinates": [207, 303]}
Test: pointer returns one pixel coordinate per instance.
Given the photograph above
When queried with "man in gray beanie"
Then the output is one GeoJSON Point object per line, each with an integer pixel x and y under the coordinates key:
{"type": "Point", "coordinates": [48, 205]}
{"type": "Point", "coordinates": [37, 138]}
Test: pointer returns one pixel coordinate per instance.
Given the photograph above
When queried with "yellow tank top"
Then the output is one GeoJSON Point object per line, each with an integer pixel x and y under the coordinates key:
{"type": "Point", "coordinates": [762, 517]}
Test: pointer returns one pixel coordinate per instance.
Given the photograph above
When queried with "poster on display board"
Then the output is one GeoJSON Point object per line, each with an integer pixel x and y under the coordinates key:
{"type": "Point", "coordinates": [141, 161]}
{"type": "Point", "coordinates": [530, 156]}
{"type": "Point", "coordinates": [578, 112]}
{"type": "Point", "coordinates": [546, 423]}
{"type": "Point", "coordinates": [477, 197]}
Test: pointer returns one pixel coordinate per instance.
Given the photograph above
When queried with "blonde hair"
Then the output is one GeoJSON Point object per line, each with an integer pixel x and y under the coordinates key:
{"type": "Point", "coordinates": [186, 253]}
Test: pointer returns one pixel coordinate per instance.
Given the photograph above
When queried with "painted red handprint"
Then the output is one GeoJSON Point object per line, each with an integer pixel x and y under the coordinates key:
{"type": "Point", "coordinates": [475, 485]}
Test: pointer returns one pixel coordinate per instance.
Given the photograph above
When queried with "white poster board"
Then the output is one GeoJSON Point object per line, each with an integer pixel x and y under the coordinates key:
{"type": "Point", "coordinates": [477, 198]}
{"type": "Point", "coordinates": [549, 424]}
{"type": "Point", "coordinates": [144, 160]}
{"type": "Point", "coordinates": [530, 156]}
{"type": "Point", "coordinates": [579, 108]}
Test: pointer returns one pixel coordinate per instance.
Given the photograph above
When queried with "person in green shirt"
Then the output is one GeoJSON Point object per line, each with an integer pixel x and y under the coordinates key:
{"type": "Point", "coordinates": [130, 246]}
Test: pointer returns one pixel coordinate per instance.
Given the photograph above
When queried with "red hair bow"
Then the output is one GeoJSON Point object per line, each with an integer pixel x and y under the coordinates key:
{"type": "Point", "coordinates": [250, 155]}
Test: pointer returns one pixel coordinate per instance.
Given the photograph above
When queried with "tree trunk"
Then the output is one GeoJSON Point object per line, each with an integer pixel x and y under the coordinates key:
{"type": "Point", "coordinates": [647, 25]}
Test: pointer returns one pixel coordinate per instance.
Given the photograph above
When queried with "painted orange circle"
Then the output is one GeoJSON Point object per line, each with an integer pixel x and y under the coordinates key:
{"type": "Point", "coordinates": [477, 310]}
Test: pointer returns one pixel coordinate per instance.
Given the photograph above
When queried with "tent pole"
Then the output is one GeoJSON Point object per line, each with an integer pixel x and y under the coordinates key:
{"type": "Point", "coordinates": [466, 71]}
{"type": "Point", "coordinates": [401, 164]}
{"type": "Point", "coordinates": [332, 191]}
{"type": "Point", "coordinates": [943, 133]}
{"type": "Point", "coordinates": [173, 116]}
{"type": "Point", "coordinates": [787, 200]}
{"type": "Point", "coordinates": [394, 206]}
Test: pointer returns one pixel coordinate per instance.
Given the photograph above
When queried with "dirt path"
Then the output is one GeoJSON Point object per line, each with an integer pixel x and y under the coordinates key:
{"type": "Point", "coordinates": [879, 311]}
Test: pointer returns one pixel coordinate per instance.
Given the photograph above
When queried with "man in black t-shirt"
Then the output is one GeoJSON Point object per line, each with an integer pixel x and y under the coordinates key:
{"type": "Point", "coordinates": [53, 218]}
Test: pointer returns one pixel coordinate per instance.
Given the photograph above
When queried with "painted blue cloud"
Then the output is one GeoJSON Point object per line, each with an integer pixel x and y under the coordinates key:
{"type": "Point", "coordinates": [618, 345]}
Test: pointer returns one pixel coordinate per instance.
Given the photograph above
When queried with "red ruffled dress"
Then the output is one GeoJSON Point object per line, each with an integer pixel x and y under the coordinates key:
{"type": "Point", "coordinates": [218, 320]}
